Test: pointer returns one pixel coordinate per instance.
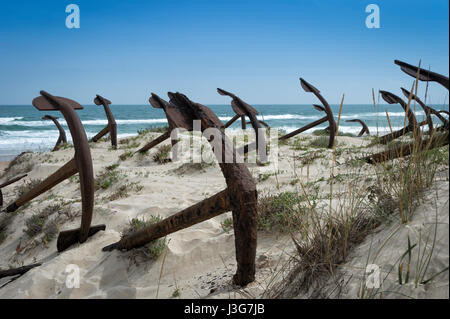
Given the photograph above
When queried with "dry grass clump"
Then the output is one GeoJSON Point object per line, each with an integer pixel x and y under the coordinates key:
{"type": "Point", "coordinates": [126, 155]}
{"type": "Point", "coordinates": [123, 191]}
{"type": "Point", "coordinates": [107, 178]}
{"type": "Point", "coordinates": [328, 248]}
{"type": "Point", "coordinates": [153, 129]}
{"type": "Point", "coordinates": [397, 189]}
{"type": "Point", "coordinates": [36, 224]}
{"type": "Point", "coordinates": [283, 212]}
{"type": "Point", "coordinates": [320, 142]}
{"type": "Point", "coordinates": [407, 177]}
{"type": "Point", "coordinates": [153, 249]}
{"type": "Point", "coordinates": [227, 224]}
{"type": "Point", "coordinates": [162, 155]}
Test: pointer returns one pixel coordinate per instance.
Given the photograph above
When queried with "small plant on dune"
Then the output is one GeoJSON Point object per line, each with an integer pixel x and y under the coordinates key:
{"type": "Point", "coordinates": [123, 191]}
{"type": "Point", "coordinates": [310, 157]}
{"type": "Point", "coordinates": [265, 176]}
{"type": "Point", "coordinates": [328, 247]}
{"type": "Point", "coordinates": [281, 132]}
{"type": "Point", "coordinates": [107, 178]}
{"type": "Point", "coordinates": [126, 155]}
{"type": "Point", "coordinates": [321, 132]}
{"type": "Point", "coordinates": [66, 146]}
{"type": "Point", "coordinates": [74, 179]}
{"type": "Point", "coordinates": [162, 155]}
{"type": "Point", "coordinates": [126, 140]}
{"type": "Point", "coordinates": [345, 134]}
{"type": "Point", "coordinates": [134, 144]}
{"type": "Point", "coordinates": [176, 293]}
{"type": "Point", "coordinates": [26, 186]}
{"type": "Point", "coordinates": [153, 129]}
{"type": "Point", "coordinates": [283, 212]}
{"type": "Point", "coordinates": [320, 142]}
{"type": "Point", "coordinates": [298, 145]}
{"type": "Point", "coordinates": [408, 177]}
{"type": "Point", "coordinates": [105, 138]}
{"type": "Point", "coordinates": [50, 231]}
{"type": "Point", "coordinates": [325, 132]}
{"type": "Point", "coordinates": [153, 249]}
{"type": "Point", "coordinates": [35, 224]}
{"type": "Point", "coordinates": [227, 224]}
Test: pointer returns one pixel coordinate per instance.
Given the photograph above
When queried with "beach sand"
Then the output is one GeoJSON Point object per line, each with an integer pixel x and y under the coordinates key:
{"type": "Point", "coordinates": [3, 166]}
{"type": "Point", "coordinates": [199, 261]}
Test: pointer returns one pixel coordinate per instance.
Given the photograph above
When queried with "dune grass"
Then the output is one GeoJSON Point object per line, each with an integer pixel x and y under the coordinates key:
{"type": "Point", "coordinates": [324, 243]}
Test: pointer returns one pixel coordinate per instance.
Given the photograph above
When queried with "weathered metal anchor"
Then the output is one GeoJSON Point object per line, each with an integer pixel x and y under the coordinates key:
{"type": "Point", "coordinates": [240, 112]}
{"type": "Point", "coordinates": [428, 111]}
{"type": "Point", "coordinates": [240, 195]}
{"type": "Point", "coordinates": [243, 109]}
{"type": "Point", "coordinates": [434, 141]}
{"type": "Point", "coordinates": [325, 108]}
{"type": "Point", "coordinates": [364, 129]}
{"type": "Point", "coordinates": [11, 181]}
{"type": "Point", "coordinates": [62, 134]}
{"type": "Point", "coordinates": [81, 163]}
{"type": "Point", "coordinates": [173, 121]}
{"type": "Point", "coordinates": [111, 127]}
{"type": "Point", "coordinates": [427, 76]}
{"type": "Point", "coordinates": [412, 122]}
{"type": "Point", "coordinates": [424, 75]}
{"type": "Point", "coordinates": [408, 149]}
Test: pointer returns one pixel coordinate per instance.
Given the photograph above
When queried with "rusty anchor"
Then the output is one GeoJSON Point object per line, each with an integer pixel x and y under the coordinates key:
{"type": "Point", "coordinates": [412, 122]}
{"type": "Point", "coordinates": [81, 163]}
{"type": "Point", "coordinates": [11, 181]}
{"type": "Point", "coordinates": [364, 129]}
{"type": "Point", "coordinates": [428, 111]}
{"type": "Point", "coordinates": [111, 127]}
{"type": "Point", "coordinates": [159, 103]}
{"type": "Point", "coordinates": [240, 196]}
{"type": "Point", "coordinates": [408, 149]}
{"type": "Point", "coordinates": [325, 108]}
{"type": "Point", "coordinates": [243, 109]}
{"type": "Point", "coordinates": [424, 75]}
{"type": "Point", "coordinates": [433, 141]}
{"type": "Point", "coordinates": [428, 76]}
{"type": "Point", "coordinates": [62, 134]}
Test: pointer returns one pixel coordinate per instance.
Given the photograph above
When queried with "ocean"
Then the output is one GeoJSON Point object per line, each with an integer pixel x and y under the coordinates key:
{"type": "Point", "coordinates": [22, 128]}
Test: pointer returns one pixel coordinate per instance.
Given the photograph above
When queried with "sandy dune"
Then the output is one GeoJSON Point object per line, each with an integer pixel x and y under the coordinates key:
{"type": "Point", "coordinates": [199, 261]}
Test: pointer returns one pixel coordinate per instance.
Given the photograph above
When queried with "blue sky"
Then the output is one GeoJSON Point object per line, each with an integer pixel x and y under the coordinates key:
{"type": "Point", "coordinates": [257, 49]}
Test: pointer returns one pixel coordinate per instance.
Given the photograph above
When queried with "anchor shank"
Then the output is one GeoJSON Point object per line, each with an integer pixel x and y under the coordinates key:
{"type": "Point", "coordinates": [155, 142]}
{"type": "Point", "coordinates": [206, 209]}
{"type": "Point", "coordinates": [57, 177]}
{"type": "Point", "coordinates": [305, 128]}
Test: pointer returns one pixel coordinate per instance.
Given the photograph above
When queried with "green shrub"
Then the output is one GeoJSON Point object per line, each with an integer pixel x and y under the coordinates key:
{"type": "Point", "coordinates": [162, 155]}
{"type": "Point", "coordinates": [153, 249]}
{"type": "Point", "coordinates": [107, 178]}
{"type": "Point", "coordinates": [282, 212]}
